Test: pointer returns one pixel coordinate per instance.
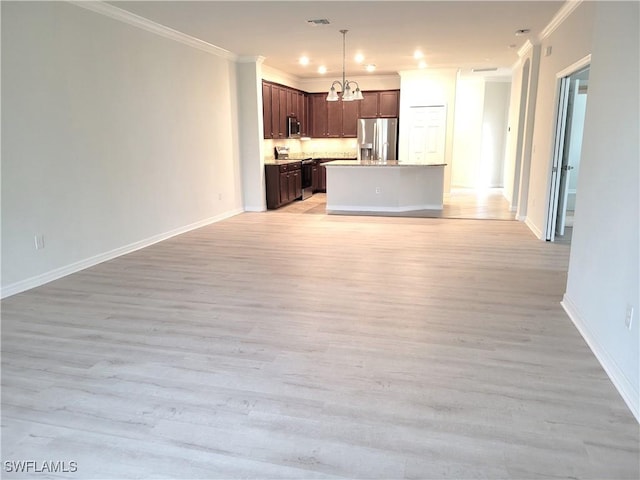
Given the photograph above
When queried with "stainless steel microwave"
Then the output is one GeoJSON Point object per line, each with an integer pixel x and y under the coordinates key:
{"type": "Point", "coordinates": [293, 127]}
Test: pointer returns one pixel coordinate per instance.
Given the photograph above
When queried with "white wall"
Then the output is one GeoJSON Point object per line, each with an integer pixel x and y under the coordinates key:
{"type": "Point", "coordinates": [424, 88]}
{"type": "Point", "coordinates": [511, 149]}
{"type": "Point", "coordinates": [250, 134]}
{"type": "Point", "coordinates": [113, 137]}
{"type": "Point", "coordinates": [467, 131]}
{"type": "Point", "coordinates": [524, 144]}
{"type": "Point", "coordinates": [570, 42]}
{"type": "Point", "coordinates": [479, 132]}
{"type": "Point", "coordinates": [604, 262]}
{"type": "Point", "coordinates": [494, 129]}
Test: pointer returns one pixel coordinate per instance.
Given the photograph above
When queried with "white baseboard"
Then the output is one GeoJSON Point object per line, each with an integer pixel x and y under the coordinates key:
{"type": "Point", "coordinates": [38, 280]}
{"type": "Point", "coordinates": [532, 226]}
{"type": "Point", "coordinates": [627, 391]}
{"type": "Point", "coordinates": [377, 209]}
{"type": "Point", "coordinates": [255, 208]}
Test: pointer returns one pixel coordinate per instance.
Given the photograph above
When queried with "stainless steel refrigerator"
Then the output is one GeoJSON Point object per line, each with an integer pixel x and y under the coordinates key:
{"type": "Point", "coordinates": [378, 139]}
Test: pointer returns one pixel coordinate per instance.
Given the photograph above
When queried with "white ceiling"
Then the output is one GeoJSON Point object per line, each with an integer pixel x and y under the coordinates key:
{"type": "Point", "coordinates": [452, 34]}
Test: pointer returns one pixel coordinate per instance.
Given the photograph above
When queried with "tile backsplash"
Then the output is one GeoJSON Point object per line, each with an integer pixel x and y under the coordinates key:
{"type": "Point", "coordinates": [315, 148]}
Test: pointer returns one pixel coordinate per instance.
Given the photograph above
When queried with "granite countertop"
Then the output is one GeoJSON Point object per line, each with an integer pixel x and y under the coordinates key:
{"type": "Point", "coordinates": [297, 156]}
{"type": "Point", "coordinates": [288, 161]}
{"type": "Point", "coordinates": [380, 163]}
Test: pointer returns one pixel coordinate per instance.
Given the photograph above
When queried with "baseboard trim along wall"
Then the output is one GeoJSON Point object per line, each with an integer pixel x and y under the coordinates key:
{"type": "Point", "coordinates": [57, 273]}
{"type": "Point", "coordinates": [627, 391]}
{"type": "Point", "coordinates": [532, 226]}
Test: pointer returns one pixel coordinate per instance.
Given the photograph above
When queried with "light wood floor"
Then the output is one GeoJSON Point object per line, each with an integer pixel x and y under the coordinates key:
{"type": "Point", "coordinates": [276, 345]}
{"type": "Point", "coordinates": [459, 203]}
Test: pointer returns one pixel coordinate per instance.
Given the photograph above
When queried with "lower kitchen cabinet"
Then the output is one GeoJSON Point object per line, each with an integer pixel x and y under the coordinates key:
{"type": "Point", "coordinates": [284, 184]}
{"type": "Point", "coordinates": [320, 180]}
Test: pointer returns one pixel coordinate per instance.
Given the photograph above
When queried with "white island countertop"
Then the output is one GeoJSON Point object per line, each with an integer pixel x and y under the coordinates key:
{"type": "Point", "coordinates": [390, 186]}
{"type": "Point", "coordinates": [380, 163]}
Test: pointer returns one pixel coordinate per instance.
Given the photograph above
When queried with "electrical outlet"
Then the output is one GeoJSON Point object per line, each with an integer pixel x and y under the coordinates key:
{"type": "Point", "coordinates": [219, 196]}
{"type": "Point", "coordinates": [377, 189]}
{"type": "Point", "coordinates": [39, 241]}
{"type": "Point", "coordinates": [628, 319]}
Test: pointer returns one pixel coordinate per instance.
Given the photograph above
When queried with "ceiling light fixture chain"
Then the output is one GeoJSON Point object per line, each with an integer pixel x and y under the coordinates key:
{"type": "Point", "coordinates": [348, 94]}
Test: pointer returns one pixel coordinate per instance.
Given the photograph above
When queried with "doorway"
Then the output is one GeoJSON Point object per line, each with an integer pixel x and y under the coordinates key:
{"type": "Point", "coordinates": [567, 151]}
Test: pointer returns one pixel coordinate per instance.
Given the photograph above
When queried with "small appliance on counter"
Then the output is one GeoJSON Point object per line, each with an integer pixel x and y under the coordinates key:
{"type": "Point", "coordinates": [281, 153]}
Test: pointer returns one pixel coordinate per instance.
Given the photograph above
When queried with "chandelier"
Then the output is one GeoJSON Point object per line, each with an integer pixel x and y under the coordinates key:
{"type": "Point", "coordinates": [348, 94]}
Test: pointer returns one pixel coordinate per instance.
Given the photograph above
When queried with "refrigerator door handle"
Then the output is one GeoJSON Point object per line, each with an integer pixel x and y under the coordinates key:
{"type": "Point", "coordinates": [375, 138]}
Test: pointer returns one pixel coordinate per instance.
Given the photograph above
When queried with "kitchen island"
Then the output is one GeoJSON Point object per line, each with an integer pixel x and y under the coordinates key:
{"type": "Point", "coordinates": [383, 187]}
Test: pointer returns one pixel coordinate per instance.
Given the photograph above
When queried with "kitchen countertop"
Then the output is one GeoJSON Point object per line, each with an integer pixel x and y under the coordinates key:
{"type": "Point", "coordinates": [271, 161]}
{"type": "Point", "coordinates": [379, 163]}
{"type": "Point", "coordinates": [284, 162]}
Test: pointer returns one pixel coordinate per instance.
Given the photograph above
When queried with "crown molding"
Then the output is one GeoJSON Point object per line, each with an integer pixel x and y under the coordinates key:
{"type": "Point", "coordinates": [250, 59]}
{"type": "Point", "coordinates": [275, 73]}
{"type": "Point", "coordinates": [561, 15]}
{"type": "Point", "coordinates": [524, 49]}
{"type": "Point", "coordinates": [125, 16]}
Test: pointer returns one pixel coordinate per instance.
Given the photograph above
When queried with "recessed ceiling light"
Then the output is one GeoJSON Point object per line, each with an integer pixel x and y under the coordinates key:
{"type": "Point", "coordinates": [522, 31]}
{"type": "Point", "coordinates": [418, 55]}
{"type": "Point", "coordinates": [304, 60]}
{"type": "Point", "coordinates": [370, 68]}
{"type": "Point", "coordinates": [422, 64]}
{"type": "Point", "coordinates": [322, 69]}
{"type": "Point", "coordinates": [359, 58]}
{"type": "Point", "coordinates": [488, 69]}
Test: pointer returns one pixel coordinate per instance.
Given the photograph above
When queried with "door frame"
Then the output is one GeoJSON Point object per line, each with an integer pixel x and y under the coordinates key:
{"type": "Point", "coordinates": [562, 100]}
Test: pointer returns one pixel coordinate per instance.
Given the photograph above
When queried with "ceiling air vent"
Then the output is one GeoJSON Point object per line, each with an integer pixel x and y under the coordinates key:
{"type": "Point", "coordinates": [318, 21]}
{"type": "Point", "coordinates": [477, 70]}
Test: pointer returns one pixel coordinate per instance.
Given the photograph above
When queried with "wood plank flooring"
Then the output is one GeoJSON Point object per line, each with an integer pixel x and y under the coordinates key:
{"type": "Point", "coordinates": [280, 345]}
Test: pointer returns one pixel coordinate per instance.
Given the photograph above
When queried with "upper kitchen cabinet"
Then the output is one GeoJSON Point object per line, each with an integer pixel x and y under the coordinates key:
{"type": "Point", "coordinates": [380, 104]}
{"type": "Point", "coordinates": [319, 118]}
{"type": "Point", "coordinates": [332, 119]}
{"type": "Point", "coordinates": [267, 117]}
{"type": "Point", "coordinates": [350, 115]}
{"type": "Point", "coordinates": [278, 103]}
{"type": "Point", "coordinates": [318, 114]}
{"type": "Point", "coordinates": [389, 104]}
{"type": "Point", "coordinates": [303, 113]}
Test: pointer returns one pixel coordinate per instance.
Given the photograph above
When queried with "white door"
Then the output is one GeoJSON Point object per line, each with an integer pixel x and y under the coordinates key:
{"type": "Point", "coordinates": [427, 133]}
{"type": "Point", "coordinates": [567, 148]}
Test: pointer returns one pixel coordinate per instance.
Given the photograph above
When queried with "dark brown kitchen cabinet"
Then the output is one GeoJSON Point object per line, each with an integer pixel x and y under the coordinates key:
{"type": "Point", "coordinates": [315, 175]}
{"type": "Point", "coordinates": [303, 116]}
{"type": "Point", "coordinates": [318, 114]}
{"type": "Point", "coordinates": [278, 103]}
{"type": "Point", "coordinates": [334, 119]}
{"type": "Point", "coordinates": [319, 118]}
{"type": "Point", "coordinates": [380, 104]}
{"type": "Point", "coordinates": [266, 110]}
{"type": "Point", "coordinates": [369, 105]}
{"type": "Point", "coordinates": [389, 104]}
{"type": "Point", "coordinates": [284, 183]}
{"type": "Point", "coordinates": [275, 112]}
{"type": "Point", "coordinates": [282, 117]}
{"type": "Point", "coordinates": [322, 178]}
{"type": "Point", "coordinates": [350, 115]}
